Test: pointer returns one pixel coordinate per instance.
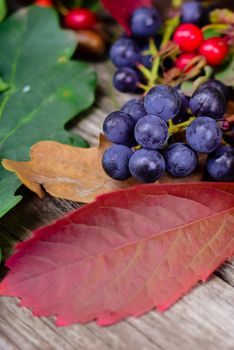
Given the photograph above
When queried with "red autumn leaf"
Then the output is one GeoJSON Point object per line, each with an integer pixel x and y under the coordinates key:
{"type": "Point", "coordinates": [125, 253]}
{"type": "Point", "coordinates": [121, 10]}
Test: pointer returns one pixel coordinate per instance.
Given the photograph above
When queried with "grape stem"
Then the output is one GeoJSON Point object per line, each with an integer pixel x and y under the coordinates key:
{"type": "Point", "coordinates": [175, 128]}
{"type": "Point", "coordinates": [152, 75]}
{"type": "Point", "coordinates": [172, 129]}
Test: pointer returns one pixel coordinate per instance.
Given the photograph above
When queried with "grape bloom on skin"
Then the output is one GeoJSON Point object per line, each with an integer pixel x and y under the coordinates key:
{"type": "Point", "coordinates": [204, 135]}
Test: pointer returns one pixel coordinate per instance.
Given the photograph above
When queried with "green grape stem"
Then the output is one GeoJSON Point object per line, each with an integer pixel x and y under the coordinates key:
{"type": "Point", "coordinates": [175, 128]}
{"type": "Point", "coordinates": [172, 129]}
{"type": "Point", "coordinates": [152, 75]}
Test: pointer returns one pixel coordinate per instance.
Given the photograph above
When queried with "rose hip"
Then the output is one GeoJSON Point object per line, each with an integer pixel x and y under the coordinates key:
{"type": "Point", "coordinates": [80, 19]}
{"type": "Point", "coordinates": [183, 61]}
{"type": "Point", "coordinates": [214, 50]}
{"type": "Point", "coordinates": [188, 37]}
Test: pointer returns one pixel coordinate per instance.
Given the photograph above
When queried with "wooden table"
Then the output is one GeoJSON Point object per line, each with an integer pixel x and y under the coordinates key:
{"type": "Point", "coordinates": [202, 320]}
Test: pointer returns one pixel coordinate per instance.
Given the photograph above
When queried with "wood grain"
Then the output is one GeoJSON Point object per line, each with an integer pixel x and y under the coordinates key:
{"type": "Point", "coordinates": [201, 320]}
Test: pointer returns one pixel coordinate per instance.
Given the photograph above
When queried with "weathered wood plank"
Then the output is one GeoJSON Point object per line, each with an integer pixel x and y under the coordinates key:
{"type": "Point", "coordinates": [226, 272]}
{"type": "Point", "coordinates": [203, 319]}
{"type": "Point", "coordinates": [41, 334]}
{"type": "Point", "coordinates": [31, 333]}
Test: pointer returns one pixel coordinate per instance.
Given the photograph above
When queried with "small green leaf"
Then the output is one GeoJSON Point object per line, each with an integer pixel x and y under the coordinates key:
{"type": "Point", "coordinates": [46, 88]}
{"type": "Point", "coordinates": [226, 72]}
{"type": "Point", "coordinates": [210, 33]}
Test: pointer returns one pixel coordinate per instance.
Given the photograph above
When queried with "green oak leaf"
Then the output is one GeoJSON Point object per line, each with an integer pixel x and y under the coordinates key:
{"type": "Point", "coordinates": [45, 88]}
{"type": "Point", "coordinates": [9, 184]}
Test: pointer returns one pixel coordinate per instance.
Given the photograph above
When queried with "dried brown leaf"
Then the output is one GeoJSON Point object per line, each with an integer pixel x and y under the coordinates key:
{"type": "Point", "coordinates": [65, 171]}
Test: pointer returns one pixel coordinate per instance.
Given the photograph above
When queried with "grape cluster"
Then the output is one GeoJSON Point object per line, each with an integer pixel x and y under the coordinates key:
{"type": "Point", "coordinates": [143, 134]}
{"type": "Point", "coordinates": [127, 52]}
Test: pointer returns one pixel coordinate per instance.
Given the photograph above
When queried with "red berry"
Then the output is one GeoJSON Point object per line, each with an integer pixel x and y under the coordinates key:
{"type": "Point", "coordinates": [188, 37]}
{"type": "Point", "coordinates": [214, 50]}
{"type": "Point", "coordinates": [80, 19]}
{"type": "Point", "coordinates": [183, 60]}
{"type": "Point", "coordinates": [44, 3]}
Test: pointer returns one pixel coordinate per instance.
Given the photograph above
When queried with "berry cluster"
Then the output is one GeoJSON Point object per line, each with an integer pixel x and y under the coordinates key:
{"type": "Point", "coordinates": [145, 134]}
{"type": "Point", "coordinates": [141, 60]}
{"type": "Point", "coordinates": [191, 42]}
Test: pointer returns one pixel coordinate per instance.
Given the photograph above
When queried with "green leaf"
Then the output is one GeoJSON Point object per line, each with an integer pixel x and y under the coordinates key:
{"type": "Point", "coordinates": [3, 9]}
{"type": "Point", "coordinates": [46, 89]}
{"type": "Point", "coordinates": [3, 85]}
{"type": "Point", "coordinates": [9, 184]}
{"type": "Point", "coordinates": [210, 33]}
{"type": "Point", "coordinates": [226, 72]}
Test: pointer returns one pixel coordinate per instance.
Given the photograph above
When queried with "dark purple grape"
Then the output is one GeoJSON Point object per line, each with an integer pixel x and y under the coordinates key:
{"type": "Point", "coordinates": [151, 132]}
{"type": "Point", "coordinates": [220, 164]}
{"type": "Point", "coordinates": [209, 102]}
{"type": "Point", "coordinates": [180, 159]}
{"type": "Point", "coordinates": [192, 12]}
{"type": "Point", "coordinates": [127, 105]}
{"type": "Point", "coordinates": [118, 127]}
{"type": "Point", "coordinates": [125, 53]}
{"type": "Point", "coordinates": [163, 101]}
{"type": "Point", "coordinates": [204, 135]}
{"type": "Point", "coordinates": [217, 84]}
{"type": "Point", "coordinates": [145, 22]}
{"type": "Point", "coordinates": [115, 162]}
{"type": "Point", "coordinates": [147, 165]}
{"type": "Point", "coordinates": [136, 109]}
{"type": "Point", "coordinates": [126, 80]}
